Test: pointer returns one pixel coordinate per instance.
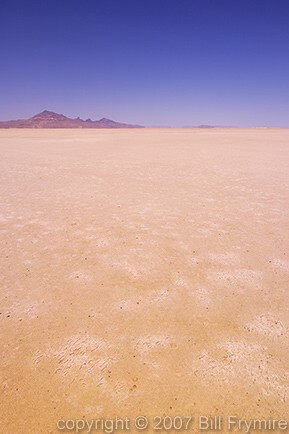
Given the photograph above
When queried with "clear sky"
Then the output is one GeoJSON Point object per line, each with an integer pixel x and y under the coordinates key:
{"type": "Point", "coordinates": [153, 62]}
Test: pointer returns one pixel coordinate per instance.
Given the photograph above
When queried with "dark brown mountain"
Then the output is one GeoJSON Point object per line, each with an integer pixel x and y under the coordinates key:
{"type": "Point", "coordinates": [48, 119]}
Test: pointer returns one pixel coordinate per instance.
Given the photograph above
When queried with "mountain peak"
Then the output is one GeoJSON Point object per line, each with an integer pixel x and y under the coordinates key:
{"type": "Point", "coordinates": [46, 114]}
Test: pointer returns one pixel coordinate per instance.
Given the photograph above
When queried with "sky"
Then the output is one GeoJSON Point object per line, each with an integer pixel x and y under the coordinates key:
{"type": "Point", "coordinates": [152, 62]}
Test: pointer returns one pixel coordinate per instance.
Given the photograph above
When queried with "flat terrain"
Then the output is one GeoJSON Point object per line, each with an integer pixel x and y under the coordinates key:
{"type": "Point", "coordinates": [143, 272]}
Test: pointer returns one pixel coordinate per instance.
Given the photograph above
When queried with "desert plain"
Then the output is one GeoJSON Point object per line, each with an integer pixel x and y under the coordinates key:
{"type": "Point", "coordinates": [143, 272]}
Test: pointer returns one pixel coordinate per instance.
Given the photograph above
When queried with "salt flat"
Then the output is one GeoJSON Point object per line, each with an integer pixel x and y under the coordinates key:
{"type": "Point", "coordinates": [143, 272]}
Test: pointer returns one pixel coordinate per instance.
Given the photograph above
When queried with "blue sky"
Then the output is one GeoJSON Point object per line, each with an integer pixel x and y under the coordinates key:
{"type": "Point", "coordinates": [153, 62]}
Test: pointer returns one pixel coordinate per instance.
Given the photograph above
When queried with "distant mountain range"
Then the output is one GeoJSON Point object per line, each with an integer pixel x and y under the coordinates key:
{"type": "Point", "coordinates": [210, 126]}
{"type": "Point", "coordinates": [199, 126]}
{"type": "Point", "coordinates": [48, 119]}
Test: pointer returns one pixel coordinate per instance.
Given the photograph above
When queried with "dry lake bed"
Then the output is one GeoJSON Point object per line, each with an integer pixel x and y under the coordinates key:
{"type": "Point", "coordinates": [143, 272]}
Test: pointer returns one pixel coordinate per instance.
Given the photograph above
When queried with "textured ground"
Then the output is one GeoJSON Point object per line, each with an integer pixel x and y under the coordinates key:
{"type": "Point", "coordinates": [143, 272]}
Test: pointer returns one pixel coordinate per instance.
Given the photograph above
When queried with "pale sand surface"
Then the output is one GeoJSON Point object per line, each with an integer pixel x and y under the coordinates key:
{"type": "Point", "coordinates": [143, 272]}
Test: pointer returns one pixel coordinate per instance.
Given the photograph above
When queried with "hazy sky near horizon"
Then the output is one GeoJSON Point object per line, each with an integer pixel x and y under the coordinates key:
{"type": "Point", "coordinates": [153, 62]}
